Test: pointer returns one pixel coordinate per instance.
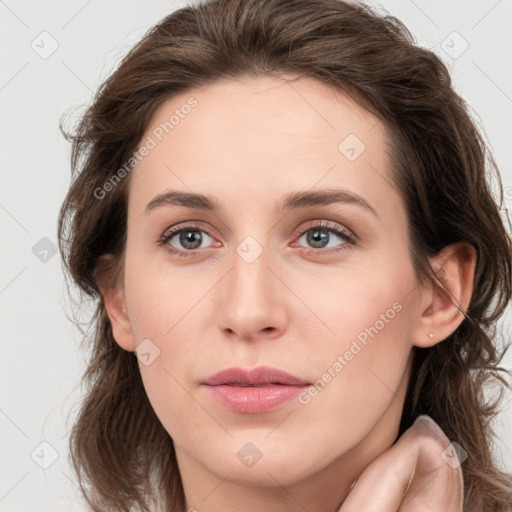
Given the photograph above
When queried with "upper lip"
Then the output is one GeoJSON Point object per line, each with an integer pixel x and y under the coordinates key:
{"type": "Point", "coordinates": [254, 377]}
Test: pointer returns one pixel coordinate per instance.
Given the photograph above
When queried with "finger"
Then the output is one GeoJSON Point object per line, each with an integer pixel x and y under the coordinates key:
{"type": "Point", "coordinates": [384, 484]}
{"type": "Point", "coordinates": [438, 482]}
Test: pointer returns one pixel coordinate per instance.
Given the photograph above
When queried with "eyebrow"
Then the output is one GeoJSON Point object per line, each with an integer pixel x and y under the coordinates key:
{"type": "Point", "coordinates": [292, 201]}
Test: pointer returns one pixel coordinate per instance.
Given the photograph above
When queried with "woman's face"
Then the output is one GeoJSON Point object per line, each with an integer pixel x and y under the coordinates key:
{"type": "Point", "coordinates": [256, 282]}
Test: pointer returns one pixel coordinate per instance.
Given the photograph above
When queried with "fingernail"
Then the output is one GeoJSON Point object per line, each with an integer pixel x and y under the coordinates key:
{"type": "Point", "coordinates": [452, 452]}
{"type": "Point", "coordinates": [424, 418]}
{"type": "Point", "coordinates": [432, 426]}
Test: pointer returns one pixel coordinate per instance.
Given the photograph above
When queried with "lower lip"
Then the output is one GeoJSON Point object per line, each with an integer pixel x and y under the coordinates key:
{"type": "Point", "coordinates": [254, 399]}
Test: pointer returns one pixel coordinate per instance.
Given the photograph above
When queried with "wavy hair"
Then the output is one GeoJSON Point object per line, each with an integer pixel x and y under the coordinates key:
{"type": "Point", "coordinates": [440, 164]}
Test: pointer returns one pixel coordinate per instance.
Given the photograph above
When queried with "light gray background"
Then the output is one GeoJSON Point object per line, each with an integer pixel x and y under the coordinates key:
{"type": "Point", "coordinates": [41, 362]}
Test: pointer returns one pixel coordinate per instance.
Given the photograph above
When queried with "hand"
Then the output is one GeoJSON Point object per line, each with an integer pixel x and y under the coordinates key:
{"type": "Point", "coordinates": [411, 476]}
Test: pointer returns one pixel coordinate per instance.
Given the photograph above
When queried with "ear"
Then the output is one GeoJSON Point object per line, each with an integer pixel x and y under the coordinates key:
{"type": "Point", "coordinates": [110, 282]}
{"type": "Point", "coordinates": [455, 268]}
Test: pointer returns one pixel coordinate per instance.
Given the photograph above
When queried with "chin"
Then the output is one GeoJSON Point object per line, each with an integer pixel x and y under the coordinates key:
{"type": "Point", "coordinates": [271, 473]}
{"type": "Point", "coordinates": [262, 463]}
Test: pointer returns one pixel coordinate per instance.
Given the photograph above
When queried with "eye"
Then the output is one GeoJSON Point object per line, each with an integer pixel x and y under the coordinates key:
{"type": "Point", "coordinates": [323, 233]}
{"type": "Point", "coordinates": [190, 237]}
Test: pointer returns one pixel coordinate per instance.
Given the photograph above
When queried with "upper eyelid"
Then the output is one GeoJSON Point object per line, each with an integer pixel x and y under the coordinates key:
{"type": "Point", "coordinates": [186, 225]}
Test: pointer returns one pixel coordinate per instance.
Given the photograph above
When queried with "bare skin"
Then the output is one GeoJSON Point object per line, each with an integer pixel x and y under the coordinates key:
{"type": "Point", "coordinates": [248, 144]}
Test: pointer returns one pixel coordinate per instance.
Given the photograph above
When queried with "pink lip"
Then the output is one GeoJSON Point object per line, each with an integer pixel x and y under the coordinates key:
{"type": "Point", "coordinates": [255, 391]}
{"type": "Point", "coordinates": [259, 375]}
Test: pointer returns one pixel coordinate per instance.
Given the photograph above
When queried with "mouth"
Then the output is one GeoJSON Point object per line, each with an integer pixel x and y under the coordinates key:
{"type": "Point", "coordinates": [255, 391]}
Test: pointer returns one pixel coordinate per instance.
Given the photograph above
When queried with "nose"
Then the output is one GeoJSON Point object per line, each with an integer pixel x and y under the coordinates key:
{"type": "Point", "coordinates": [252, 299]}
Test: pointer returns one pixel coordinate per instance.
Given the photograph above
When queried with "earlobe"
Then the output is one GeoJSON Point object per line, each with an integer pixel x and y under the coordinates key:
{"type": "Point", "coordinates": [113, 296]}
{"type": "Point", "coordinates": [455, 269]}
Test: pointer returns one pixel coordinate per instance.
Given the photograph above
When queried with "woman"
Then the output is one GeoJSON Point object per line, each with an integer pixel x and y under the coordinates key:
{"type": "Point", "coordinates": [284, 213]}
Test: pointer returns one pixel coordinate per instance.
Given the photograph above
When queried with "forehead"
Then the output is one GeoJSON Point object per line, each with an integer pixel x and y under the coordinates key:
{"type": "Point", "coordinates": [258, 109]}
{"type": "Point", "coordinates": [263, 135]}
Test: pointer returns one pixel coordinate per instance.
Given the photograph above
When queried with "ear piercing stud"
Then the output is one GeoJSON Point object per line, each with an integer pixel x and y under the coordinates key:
{"type": "Point", "coordinates": [430, 335]}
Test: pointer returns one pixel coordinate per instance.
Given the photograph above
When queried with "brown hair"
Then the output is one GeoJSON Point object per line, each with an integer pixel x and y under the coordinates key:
{"type": "Point", "coordinates": [441, 166]}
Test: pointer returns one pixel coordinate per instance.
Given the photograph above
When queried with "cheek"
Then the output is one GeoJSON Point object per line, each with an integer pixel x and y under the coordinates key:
{"type": "Point", "coordinates": [361, 369]}
{"type": "Point", "coordinates": [163, 313]}
{"type": "Point", "coordinates": [159, 301]}
{"type": "Point", "coordinates": [368, 308]}
{"type": "Point", "coordinates": [362, 363]}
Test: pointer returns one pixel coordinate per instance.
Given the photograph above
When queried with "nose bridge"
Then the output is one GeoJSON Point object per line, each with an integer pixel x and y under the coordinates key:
{"type": "Point", "coordinates": [250, 277]}
{"type": "Point", "coordinates": [253, 252]}
{"type": "Point", "coordinates": [250, 299]}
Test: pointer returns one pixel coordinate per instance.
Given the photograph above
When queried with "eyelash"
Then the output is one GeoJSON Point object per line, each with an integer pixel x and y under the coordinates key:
{"type": "Point", "coordinates": [350, 241]}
